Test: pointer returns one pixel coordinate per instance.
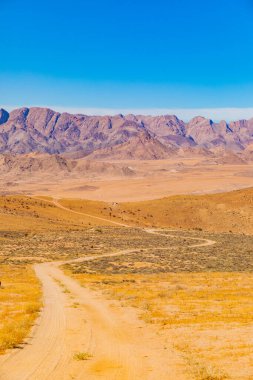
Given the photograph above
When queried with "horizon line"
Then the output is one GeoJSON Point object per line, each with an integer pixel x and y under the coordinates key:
{"type": "Point", "coordinates": [217, 114]}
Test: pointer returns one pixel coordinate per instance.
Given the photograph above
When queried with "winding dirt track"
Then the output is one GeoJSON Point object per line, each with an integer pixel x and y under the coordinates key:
{"type": "Point", "coordinates": [76, 319]}
{"type": "Point", "coordinates": [57, 204]}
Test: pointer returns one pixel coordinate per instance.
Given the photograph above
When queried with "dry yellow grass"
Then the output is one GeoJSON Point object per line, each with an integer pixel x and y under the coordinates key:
{"type": "Point", "coordinates": [208, 316]}
{"type": "Point", "coordinates": [223, 212]}
{"type": "Point", "coordinates": [20, 299]}
{"type": "Point", "coordinates": [20, 213]}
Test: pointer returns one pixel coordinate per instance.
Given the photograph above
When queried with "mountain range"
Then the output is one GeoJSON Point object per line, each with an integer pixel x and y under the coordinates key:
{"type": "Point", "coordinates": [42, 130]}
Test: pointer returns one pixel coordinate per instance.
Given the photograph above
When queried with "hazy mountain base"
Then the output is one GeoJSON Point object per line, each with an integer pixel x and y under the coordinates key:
{"type": "Point", "coordinates": [117, 181]}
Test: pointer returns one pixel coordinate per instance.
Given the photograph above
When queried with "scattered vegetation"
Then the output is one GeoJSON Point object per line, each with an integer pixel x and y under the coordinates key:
{"type": "Point", "coordinates": [82, 356]}
{"type": "Point", "coordinates": [160, 254]}
{"type": "Point", "coordinates": [222, 212]}
{"type": "Point", "coordinates": [208, 316]}
{"type": "Point", "coordinates": [29, 246]}
{"type": "Point", "coordinates": [197, 297]}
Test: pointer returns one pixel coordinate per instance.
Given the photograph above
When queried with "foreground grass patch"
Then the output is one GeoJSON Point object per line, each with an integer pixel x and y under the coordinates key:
{"type": "Point", "coordinates": [207, 316]}
{"type": "Point", "coordinates": [20, 299]}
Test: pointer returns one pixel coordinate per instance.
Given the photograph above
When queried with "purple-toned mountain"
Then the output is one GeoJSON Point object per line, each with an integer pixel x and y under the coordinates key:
{"type": "Point", "coordinates": [43, 130]}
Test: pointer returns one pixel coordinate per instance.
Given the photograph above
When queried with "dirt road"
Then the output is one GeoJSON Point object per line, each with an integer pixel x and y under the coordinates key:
{"type": "Point", "coordinates": [76, 319]}
{"type": "Point", "coordinates": [57, 204]}
{"type": "Point", "coordinates": [155, 231]}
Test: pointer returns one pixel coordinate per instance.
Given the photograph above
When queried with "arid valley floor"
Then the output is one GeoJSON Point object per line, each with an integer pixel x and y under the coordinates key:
{"type": "Point", "coordinates": [155, 286]}
{"type": "Point", "coordinates": [123, 181]}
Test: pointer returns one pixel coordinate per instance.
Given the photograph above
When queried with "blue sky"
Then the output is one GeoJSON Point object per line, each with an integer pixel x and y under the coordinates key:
{"type": "Point", "coordinates": [128, 55]}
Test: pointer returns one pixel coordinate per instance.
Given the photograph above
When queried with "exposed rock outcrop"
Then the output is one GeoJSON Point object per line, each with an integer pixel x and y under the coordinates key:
{"type": "Point", "coordinates": [42, 130]}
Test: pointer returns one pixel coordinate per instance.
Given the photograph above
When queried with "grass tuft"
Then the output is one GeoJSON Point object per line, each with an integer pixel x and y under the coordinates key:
{"type": "Point", "coordinates": [82, 356]}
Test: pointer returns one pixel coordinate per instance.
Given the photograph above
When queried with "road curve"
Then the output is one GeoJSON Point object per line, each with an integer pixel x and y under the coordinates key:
{"type": "Point", "coordinates": [155, 231]}
{"type": "Point", "coordinates": [76, 319]}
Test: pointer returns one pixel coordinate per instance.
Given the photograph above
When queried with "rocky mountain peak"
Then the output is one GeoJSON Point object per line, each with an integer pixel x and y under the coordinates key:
{"type": "Point", "coordinates": [43, 130]}
{"type": "Point", "coordinates": [4, 116]}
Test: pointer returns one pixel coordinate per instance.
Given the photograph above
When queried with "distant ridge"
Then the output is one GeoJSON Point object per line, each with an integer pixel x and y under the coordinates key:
{"type": "Point", "coordinates": [41, 130]}
{"type": "Point", "coordinates": [32, 164]}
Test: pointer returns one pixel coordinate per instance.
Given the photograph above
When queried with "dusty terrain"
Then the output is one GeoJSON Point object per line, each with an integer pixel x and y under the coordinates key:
{"type": "Point", "coordinates": [207, 316]}
{"type": "Point", "coordinates": [222, 212]}
{"type": "Point", "coordinates": [122, 181]}
{"type": "Point", "coordinates": [51, 351]}
{"type": "Point", "coordinates": [75, 321]}
{"type": "Point", "coordinates": [180, 288]}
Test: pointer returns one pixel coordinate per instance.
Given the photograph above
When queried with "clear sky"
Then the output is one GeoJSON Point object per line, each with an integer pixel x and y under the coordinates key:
{"type": "Point", "coordinates": [127, 55]}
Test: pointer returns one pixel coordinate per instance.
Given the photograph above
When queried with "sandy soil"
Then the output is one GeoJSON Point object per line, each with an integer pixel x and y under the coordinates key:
{"type": "Point", "coordinates": [108, 334]}
{"type": "Point", "coordinates": [153, 179]}
{"type": "Point", "coordinates": [75, 319]}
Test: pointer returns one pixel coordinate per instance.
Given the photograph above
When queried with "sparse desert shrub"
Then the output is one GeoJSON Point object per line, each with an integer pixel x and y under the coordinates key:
{"type": "Point", "coordinates": [82, 356]}
{"type": "Point", "coordinates": [210, 373]}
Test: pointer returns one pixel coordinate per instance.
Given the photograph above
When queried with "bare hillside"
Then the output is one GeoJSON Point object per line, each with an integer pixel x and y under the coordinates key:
{"type": "Point", "coordinates": [42, 130]}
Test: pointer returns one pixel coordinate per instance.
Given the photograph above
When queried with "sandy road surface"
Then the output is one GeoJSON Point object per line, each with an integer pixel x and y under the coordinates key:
{"type": "Point", "coordinates": [75, 319]}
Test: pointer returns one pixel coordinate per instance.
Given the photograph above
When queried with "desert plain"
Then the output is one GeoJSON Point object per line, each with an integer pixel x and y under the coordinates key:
{"type": "Point", "coordinates": [128, 180]}
{"type": "Point", "coordinates": [144, 273]}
